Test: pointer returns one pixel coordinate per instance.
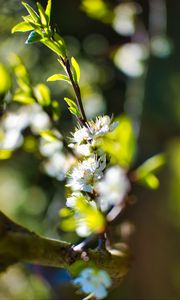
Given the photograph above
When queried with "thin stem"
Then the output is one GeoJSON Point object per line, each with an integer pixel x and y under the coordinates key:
{"type": "Point", "coordinates": [83, 119]}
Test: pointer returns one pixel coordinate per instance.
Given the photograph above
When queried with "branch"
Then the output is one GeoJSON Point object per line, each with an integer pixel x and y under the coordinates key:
{"type": "Point", "coordinates": [18, 244]}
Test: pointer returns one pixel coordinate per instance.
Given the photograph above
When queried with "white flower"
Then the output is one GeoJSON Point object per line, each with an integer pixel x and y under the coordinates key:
{"type": "Point", "coordinates": [57, 165]}
{"type": "Point", "coordinates": [84, 149]}
{"type": "Point", "coordinates": [48, 148]}
{"type": "Point", "coordinates": [11, 139]}
{"type": "Point", "coordinates": [112, 188]}
{"type": "Point", "coordinates": [101, 126]}
{"type": "Point", "coordinates": [87, 217]}
{"type": "Point", "coordinates": [94, 282]}
{"type": "Point", "coordinates": [39, 119]}
{"type": "Point", "coordinates": [130, 59]}
{"type": "Point", "coordinates": [81, 135]}
{"type": "Point", "coordinates": [86, 173]}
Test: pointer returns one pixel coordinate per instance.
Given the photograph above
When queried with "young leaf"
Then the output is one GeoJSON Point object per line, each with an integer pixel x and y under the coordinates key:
{"type": "Point", "coordinates": [56, 77]}
{"type": "Point", "coordinates": [53, 46]}
{"type": "Point", "coordinates": [5, 154]}
{"type": "Point", "coordinates": [33, 37]}
{"type": "Point", "coordinates": [48, 11]}
{"type": "Point", "coordinates": [150, 181]}
{"type": "Point", "coordinates": [23, 98]}
{"type": "Point", "coordinates": [76, 70]}
{"type": "Point", "coordinates": [55, 110]}
{"type": "Point", "coordinates": [50, 135]}
{"type": "Point", "coordinates": [151, 165]}
{"type": "Point", "coordinates": [60, 42]}
{"type": "Point", "coordinates": [42, 94]}
{"type": "Point", "coordinates": [72, 107]}
{"type": "Point", "coordinates": [42, 14]}
{"type": "Point", "coordinates": [32, 12]}
{"type": "Point", "coordinates": [5, 82]}
{"type": "Point", "coordinates": [22, 27]}
{"type": "Point", "coordinates": [120, 144]}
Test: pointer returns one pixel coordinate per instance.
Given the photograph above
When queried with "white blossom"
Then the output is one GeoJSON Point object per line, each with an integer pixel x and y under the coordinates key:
{"type": "Point", "coordinates": [58, 165]}
{"type": "Point", "coordinates": [84, 149]}
{"type": "Point", "coordinates": [48, 148]}
{"type": "Point", "coordinates": [101, 126]}
{"type": "Point", "coordinates": [81, 135]}
{"type": "Point", "coordinates": [112, 188]}
{"type": "Point", "coordinates": [86, 173]}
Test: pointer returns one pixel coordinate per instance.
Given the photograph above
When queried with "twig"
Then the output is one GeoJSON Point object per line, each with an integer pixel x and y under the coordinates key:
{"type": "Point", "coordinates": [19, 244]}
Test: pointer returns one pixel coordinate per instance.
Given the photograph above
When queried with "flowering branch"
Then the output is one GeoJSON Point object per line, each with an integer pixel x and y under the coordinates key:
{"type": "Point", "coordinates": [18, 244]}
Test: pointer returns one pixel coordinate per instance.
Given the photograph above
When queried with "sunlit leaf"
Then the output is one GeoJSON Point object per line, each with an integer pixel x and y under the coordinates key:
{"type": "Point", "coordinates": [97, 9]}
{"type": "Point", "coordinates": [42, 94]}
{"type": "Point", "coordinates": [145, 173]}
{"type": "Point", "coordinates": [72, 107]}
{"type": "Point", "coordinates": [55, 110]}
{"type": "Point", "coordinates": [21, 72]}
{"type": "Point", "coordinates": [150, 181]}
{"type": "Point", "coordinates": [151, 165]}
{"type": "Point", "coordinates": [48, 10]}
{"type": "Point", "coordinates": [56, 77]}
{"type": "Point", "coordinates": [22, 27]}
{"type": "Point", "coordinates": [76, 69]}
{"type": "Point", "coordinates": [33, 37]}
{"type": "Point", "coordinates": [68, 224]}
{"type": "Point", "coordinates": [49, 135]}
{"type": "Point", "coordinates": [23, 98]}
{"type": "Point", "coordinates": [5, 82]}
{"type": "Point", "coordinates": [24, 85]}
{"type": "Point", "coordinates": [60, 42]}
{"type": "Point", "coordinates": [42, 14]}
{"type": "Point", "coordinates": [31, 11]}
{"type": "Point", "coordinates": [120, 144]}
{"type": "Point", "coordinates": [30, 144]}
{"type": "Point", "coordinates": [5, 154]}
{"type": "Point", "coordinates": [57, 48]}
{"type": "Point", "coordinates": [65, 212]}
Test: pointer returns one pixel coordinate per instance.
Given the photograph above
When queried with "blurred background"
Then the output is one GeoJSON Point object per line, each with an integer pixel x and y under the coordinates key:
{"type": "Point", "coordinates": [129, 57]}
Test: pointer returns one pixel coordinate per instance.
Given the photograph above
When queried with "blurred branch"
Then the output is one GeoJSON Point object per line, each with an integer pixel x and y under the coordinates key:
{"type": "Point", "coordinates": [18, 244]}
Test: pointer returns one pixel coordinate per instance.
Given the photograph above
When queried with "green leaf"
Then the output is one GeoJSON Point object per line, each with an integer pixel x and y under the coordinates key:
{"type": "Point", "coordinates": [5, 154]}
{"type": "Point", "coordinates": [76, 70]}
{"type": "Point", "coordinates": [32, 12]}
{"type": "Point", "coordinates": [151, 165]}
{"type": "Point", "coordinates": [150, 181]}
{"type": "Point", "coordinates": [42, 94]}
{"type": "Point", "coordinates": [60, 42]}
{"type": "Point", "coordinates": [33, 37]}
{"type": "Point", "coordinates": [5, 82]}
{"type": "Point", "coordinates": [23, 98]}
{"type": "Point", "coordinates": [20, 72]}
{"type": "Point", "coordinates": [22, 27]}
{"type": "Point", "coordinates": [72, 107]}
{"type": "Point", "coordinates": [120, 144]}
{"type": "Point", "coordinates": [56, 77]}
{"type": "Point", "coordinates": [48, 10]}
{"type": "Point", "coordinates": [53, 46]}
{"type": "Point", "coordinates": [55, 110]}
{"type": "Point", "coordinates": [65, 212]}
{"type": "Point", "coordinates": [43, 17]}
{"type": "Point", "coordinates": [50, 136]}
{"type": "Point", "coordinates": [68, 224]}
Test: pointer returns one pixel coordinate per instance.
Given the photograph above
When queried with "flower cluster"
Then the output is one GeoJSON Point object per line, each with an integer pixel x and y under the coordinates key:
{"type": "Point", "coordinates": [95, 188]}
{"type": "Point", "coordinates": [84, 139]}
